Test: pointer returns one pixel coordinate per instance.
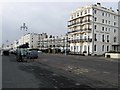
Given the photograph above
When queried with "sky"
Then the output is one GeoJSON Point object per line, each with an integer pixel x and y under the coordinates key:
{"type": "Point", "coordinates": [50, 17]}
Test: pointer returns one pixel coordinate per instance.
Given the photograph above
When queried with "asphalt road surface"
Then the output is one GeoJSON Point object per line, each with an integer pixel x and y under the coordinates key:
{"type": "Point", "coordinates": [59, 71]}
{"type": "Point", "coordinates": [0, 72]}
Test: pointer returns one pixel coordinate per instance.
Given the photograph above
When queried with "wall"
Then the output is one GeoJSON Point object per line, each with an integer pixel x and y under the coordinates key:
{"type": "Point", "coordinates": [113, 55]}
{"type": "Point", "coordinates": [119, 25]}
{"type": "Point", "coordinates": [105, 32]}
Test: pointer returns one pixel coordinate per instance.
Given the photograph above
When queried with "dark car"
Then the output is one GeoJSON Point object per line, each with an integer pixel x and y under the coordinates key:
{"type": "Point", "coordinates": [21, 52]}
{"type": "Point", "coordinates": [6, 53]}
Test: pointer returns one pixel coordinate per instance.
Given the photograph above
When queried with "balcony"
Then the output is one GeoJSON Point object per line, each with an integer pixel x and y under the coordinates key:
{"type": "Point", "coordinates": [81, 22]}
{"type": "Point", "coordinates": [86, 21]}
{"type": "Point", "coordinates": [72, 24]}
{"type": "Point", "coordinates": [81, 16]}
{"type": "Point", "coordinates": [88, 40]}
{"type": "Point", "coordinates": [72, 31]}
{"type": "Point", "coordinates": [80, 40]}
{"type": "Point", "coordinates": [81, 30]}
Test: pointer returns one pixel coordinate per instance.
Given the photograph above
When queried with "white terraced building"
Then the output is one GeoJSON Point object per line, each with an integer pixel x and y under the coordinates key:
{"type": "Point", "coordinates": [30, 38]}
{"type": "Point", "coordinates": [42, 41]}
{"type": "Point", "coordinates": [54, 42]}
{"type": "Point", "coordinates": [93, 29]}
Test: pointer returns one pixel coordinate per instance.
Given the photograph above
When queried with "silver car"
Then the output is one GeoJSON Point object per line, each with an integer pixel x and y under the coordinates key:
{"type": "Point", "coordinates": [32, 54]}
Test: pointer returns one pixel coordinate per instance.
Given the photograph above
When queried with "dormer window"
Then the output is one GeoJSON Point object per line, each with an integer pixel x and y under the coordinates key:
{"type": "Point", "coordinates": [81, 13]}
{"type": "Point", "coordinates": [71, 17]}
{"type": "Point", "coordinates": [77, 14]}
{"type": "Point", "coordinates": [88, 10]}
{"type": "Point", "coordinates": [85, 11]}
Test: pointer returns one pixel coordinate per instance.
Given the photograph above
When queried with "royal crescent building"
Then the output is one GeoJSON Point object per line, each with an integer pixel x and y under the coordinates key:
{"type": "Point", "coordinates": [93, 30]}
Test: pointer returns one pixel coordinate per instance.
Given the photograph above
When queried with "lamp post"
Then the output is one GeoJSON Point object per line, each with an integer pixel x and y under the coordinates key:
{"type": "Point", "coordinates": [23, 28]}
{"type": "Point", "coordinates": [66, 37]}
{"type": "Point", "coordinates": [54, 44]}
{"type": "Point", "coordinates": [2, 46]}
{"type": "Point", "coordinates": [6, 42]}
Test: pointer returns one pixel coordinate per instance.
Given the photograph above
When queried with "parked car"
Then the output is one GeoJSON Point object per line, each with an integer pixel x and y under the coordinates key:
{"type": "Point", "coordinates": [6, 52]}
{"type": "Point", "coordinates": [32, 54]}
{"type": "Point", "coordinates": [67, 51]}
{"type": "Point", "coordinates": [39, 51]}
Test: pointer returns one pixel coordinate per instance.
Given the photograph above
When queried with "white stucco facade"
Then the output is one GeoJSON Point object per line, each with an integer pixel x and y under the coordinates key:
{"type": "Point", "coordinates": [42, 41]}
{"type": "Point", "coordinates": [30, 38]}
{"type": "Point", "coordinates": [93, 29]}
{"type": "Point", "coordinates": [54, 42]}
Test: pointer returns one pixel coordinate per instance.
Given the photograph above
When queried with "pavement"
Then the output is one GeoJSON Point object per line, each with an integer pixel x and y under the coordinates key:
{"type": "Point", "coordinates": [60, 71]}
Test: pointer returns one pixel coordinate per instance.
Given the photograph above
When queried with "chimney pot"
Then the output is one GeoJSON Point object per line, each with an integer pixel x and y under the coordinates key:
{"type": "Point", "coordinates": [98, 4]}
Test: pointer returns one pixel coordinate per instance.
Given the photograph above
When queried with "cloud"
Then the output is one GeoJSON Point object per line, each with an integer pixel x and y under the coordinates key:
{"type": "Point", "coordinates": [49, 17]}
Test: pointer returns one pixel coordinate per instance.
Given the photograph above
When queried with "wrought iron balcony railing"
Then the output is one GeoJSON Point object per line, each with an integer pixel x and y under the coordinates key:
{"type": "Point", "coordinates": [81, 22]}
{"type": "Point", "coordinates": [81, 30]}
{"type": "Point", "coordinates": [80, 40]}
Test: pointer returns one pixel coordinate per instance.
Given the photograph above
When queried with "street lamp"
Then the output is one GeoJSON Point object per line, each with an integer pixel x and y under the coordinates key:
{"type": "Point", "coordinates": [23, 28]}
{"type": "Point", "coordinates": [6, 42]}
{"type": "Point", "coordinates": [66, 37]}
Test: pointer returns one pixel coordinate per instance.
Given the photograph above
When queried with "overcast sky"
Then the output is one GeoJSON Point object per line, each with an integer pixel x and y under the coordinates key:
{"type": "Point", "coordinates": [49, 17]}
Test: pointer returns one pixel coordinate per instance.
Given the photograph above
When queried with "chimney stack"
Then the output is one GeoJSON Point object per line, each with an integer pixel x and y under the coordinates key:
{"type": "Point", "coordinates": [110, 8]}
{"type": "Point", "coordinates": [98, 4]}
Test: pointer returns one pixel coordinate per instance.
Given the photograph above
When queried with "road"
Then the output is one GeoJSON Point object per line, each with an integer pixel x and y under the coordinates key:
{"type": "Point", "coordinates": [60, 71]}
{"type": "Point", "coordinates": [0, 72]}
